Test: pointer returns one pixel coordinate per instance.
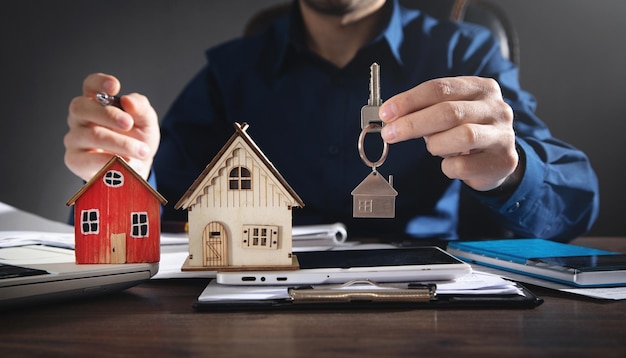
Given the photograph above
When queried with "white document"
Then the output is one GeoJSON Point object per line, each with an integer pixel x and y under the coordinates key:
{"type": "Point", "coordinates": [605, 293]}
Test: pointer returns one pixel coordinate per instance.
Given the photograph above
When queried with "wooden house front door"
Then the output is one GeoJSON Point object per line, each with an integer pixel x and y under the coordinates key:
{"type": "Point", "coordinates": [214, 243]}
{"type": "Point", "coordinates": [118, 248]}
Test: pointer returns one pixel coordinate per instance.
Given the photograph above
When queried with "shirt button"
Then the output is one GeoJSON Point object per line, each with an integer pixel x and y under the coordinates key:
{"type": "Point", "coordinates": [514, 207]}
{"type": "Point", "coordinates": [333, 150]}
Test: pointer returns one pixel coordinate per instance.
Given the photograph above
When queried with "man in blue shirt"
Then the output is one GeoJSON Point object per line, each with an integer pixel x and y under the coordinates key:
{"type": "Point", "coordinates": [455, 116]}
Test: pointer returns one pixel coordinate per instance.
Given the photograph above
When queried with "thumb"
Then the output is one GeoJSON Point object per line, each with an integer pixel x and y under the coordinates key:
{"type": "Point", "coordinates": [100, 82]}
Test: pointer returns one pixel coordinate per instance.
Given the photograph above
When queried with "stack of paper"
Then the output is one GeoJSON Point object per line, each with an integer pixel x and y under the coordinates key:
{"type": "Point", "coordinates": [476, 283]}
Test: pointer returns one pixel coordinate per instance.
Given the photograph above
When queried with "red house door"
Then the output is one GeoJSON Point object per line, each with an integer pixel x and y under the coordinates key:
{"type": "Point", "coordinates": [214, 245]}
{"type": "Point", "coordinates": [118, 248]}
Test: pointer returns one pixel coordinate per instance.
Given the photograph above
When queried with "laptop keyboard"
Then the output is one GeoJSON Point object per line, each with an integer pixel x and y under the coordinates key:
{"type": "Point", "coordinates": [11, 271]}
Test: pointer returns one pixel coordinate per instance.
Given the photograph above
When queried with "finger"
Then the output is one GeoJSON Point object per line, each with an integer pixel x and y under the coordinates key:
{"type": "Point", "coordinates": [85, 164]}
{"type": "Point", "coordinates": [98, 82]}
{"type": "Point", "coordinates": [463, 139]}
{"type": "Point", "coordinates": [97, 138]}
{"type": "Point", "coordinates": [469, 138]}
{"type": "Point", "coordinates": [482, 171]}
{"type": "Point", "coordinates": [146, 122]}
{"type": "Point", "coordinates": [435, 91]}
{"type": "Point", "coordinates": [85, 111]}
{"type": "Point", "coordinates": [436, 118]}
{"type": "Point", "coordinates": [139, 107]}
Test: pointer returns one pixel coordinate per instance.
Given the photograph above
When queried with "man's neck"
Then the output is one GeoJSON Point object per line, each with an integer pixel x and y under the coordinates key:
{"type": "Point", "coordinates": [338, 38]}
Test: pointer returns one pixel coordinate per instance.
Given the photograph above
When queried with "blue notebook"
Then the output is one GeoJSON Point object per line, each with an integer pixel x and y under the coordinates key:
{"type": "Point", "coordinates": [575, 265]}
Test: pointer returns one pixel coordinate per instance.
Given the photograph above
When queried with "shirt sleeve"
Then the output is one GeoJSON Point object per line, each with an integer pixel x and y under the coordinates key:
{"type": "Point", "coordinates": [558, 196]}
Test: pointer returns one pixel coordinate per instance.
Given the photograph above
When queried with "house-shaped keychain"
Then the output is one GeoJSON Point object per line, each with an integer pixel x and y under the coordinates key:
{"type": "Point", "coordinates": [117, 217]}
{"type": "Point", "coordinates": [240, 211]}
{"type": "Point", "coordinates": [374, 197]}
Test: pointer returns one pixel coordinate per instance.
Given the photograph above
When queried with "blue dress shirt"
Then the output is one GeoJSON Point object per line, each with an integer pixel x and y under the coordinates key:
{"type": "Point", "coordinates": [304, 114]}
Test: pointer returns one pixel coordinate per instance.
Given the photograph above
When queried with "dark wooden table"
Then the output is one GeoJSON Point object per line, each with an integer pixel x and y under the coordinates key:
{"type": "Point", "coordinates": [157, 319]}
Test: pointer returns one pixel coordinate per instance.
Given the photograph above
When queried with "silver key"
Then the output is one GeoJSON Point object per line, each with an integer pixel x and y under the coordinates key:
{"type": "Point", "coordinates": [374, 197]}
{"type": "Point", "coordinates": [369, 112]}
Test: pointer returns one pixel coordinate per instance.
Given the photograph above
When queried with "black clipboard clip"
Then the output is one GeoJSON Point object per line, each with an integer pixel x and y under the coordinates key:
{"type": "Point", "coordinates": [363, 291]}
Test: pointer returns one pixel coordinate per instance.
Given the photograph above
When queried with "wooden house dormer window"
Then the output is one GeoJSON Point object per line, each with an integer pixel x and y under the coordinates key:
{"type": "Point", "coordinates": [113, 178]}
{"type": "Point", "coordinates": [240, 178]}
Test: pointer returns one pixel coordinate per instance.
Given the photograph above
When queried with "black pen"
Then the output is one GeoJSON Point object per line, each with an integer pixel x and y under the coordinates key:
{"type": "Point", "coordinates": [106, 99]}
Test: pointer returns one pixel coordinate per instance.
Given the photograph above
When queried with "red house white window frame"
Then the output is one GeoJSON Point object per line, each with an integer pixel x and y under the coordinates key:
{"type": "Point", "coordinates": [90, 222]}
{"type": "Point", "coordinates": [139, 224]}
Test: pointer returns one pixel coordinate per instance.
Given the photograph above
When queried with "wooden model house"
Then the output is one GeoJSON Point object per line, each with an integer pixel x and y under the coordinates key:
{"type": "Point", "coordinates": [117, 217]}
{"type": "Point", "coordinates": [374, 198]}
{"type": "Point", "coordinates": [240, 211]}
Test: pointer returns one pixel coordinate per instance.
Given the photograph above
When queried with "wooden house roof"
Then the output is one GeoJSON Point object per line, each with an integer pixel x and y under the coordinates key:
{"type": "Point", "coordinates": [116, 159]}
{"type": "Point", "coordinates": [240, 132]}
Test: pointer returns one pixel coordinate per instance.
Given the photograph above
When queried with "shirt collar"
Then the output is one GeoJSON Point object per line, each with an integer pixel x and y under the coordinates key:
{"type": "Point", "coordinates": [290, 34]}
{"type": "Point", "coordinates": [393, 32]}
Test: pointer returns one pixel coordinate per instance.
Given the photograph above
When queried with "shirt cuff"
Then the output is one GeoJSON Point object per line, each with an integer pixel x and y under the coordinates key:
{"type": "Point", "coordinates": [518, 203]}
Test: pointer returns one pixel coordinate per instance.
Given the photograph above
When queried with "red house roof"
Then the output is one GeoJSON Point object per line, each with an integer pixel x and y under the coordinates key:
{"type": "Point", "coordinates": [120, 160]}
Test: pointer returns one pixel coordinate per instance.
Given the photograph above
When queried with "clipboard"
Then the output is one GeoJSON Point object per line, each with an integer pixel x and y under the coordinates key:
{"type": "Point", "coordinates": [355, 294]}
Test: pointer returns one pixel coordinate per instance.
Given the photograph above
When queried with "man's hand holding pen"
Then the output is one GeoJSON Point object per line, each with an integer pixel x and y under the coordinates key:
{"type": "Point", "coordinates": [96, 131]}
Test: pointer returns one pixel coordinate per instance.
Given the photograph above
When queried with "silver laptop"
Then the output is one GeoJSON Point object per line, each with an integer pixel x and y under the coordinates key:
{"type": "Point", "coordinates": [37, 273]}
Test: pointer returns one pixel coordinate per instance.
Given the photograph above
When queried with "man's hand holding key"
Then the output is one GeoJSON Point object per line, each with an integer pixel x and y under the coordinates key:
{"type": "Point", "coordinates": [463, 120]}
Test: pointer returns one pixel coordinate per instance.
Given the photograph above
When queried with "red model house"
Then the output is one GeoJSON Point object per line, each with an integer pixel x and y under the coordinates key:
{"type": "Point", "coordinates": [117, 217]}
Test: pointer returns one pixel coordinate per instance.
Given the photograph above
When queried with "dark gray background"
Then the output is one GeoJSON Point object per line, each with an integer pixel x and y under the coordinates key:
{"type": "Point", "coordinates": [572, 59]}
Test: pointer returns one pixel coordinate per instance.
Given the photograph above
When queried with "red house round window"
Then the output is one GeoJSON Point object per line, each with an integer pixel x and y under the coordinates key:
{"type": "Point", "coordinates": [113, 178]}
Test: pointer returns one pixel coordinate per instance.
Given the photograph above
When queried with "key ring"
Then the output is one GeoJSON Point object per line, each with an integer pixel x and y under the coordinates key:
{"type": "Point", "coordinates": [381, 160]}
